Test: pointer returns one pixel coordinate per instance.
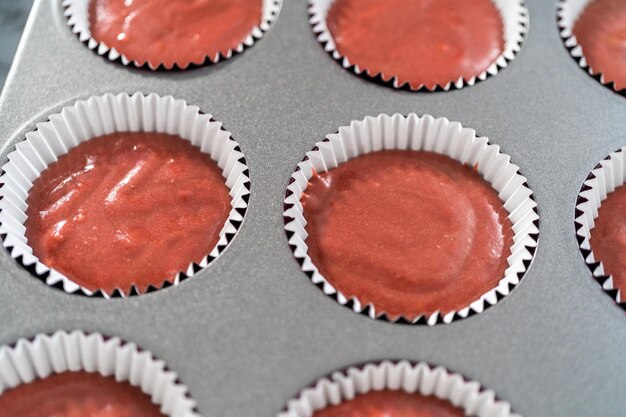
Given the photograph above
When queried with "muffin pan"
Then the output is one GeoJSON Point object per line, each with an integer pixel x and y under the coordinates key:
{"type": "Point", "coordinates": [250, 331]}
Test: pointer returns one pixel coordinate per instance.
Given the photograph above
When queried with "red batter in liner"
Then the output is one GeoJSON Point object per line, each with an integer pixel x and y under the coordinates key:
{"type": "Point", "coordinates": [127, 208]}
{"type": "Point", "coordinates": [392, 404]}
{"type": "Point", "coordinates": [411, 232]}
{"type": "Point", "coordinates": [77, 394]}
{"type": "Point", "coordinates": [601, 32]}
{"type": "Point", "coordinates": [422, 42]}
{"type": "Point", "coordinates": [608, 237]}
{"type": "Point", "coordinates": [173, 31]}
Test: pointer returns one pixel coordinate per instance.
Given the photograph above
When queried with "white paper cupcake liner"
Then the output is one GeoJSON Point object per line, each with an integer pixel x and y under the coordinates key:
{"type": "Point", "coordinates": [418, 377]}
{"type": "Point", "coordinates": [102, 115]}
{"type": "Point", "coordinates": [608, 175]}
{"type": "Point", "coordinates": [568, 12]}
{"type": "Point", "coordinates": [514, 17]}
{"type": "Point", "coordinates": [429, 134]}
{"type": "Point", "coordinates": [31, 359]}
{"type": "Point", "coordinates": [77, 13]}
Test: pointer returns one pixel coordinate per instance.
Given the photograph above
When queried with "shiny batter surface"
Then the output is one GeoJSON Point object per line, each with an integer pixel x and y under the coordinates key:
{"type": "Point", "coordinates": [422, 42]}
{"type": "Point", "coordinates": [173, 31]}
{"type": "Point", "coordinates": [392, 404]}
{"type": "Point", "coordinates": [601, 31]}
{"type": "Point", "coordinates": [608, 237]}
{"type": "Point", "coordinates": [76, 394]}
{"type": "Point", "coordinates": [127, 208]}
{"type": "Point", "coordinates": [411, 232]}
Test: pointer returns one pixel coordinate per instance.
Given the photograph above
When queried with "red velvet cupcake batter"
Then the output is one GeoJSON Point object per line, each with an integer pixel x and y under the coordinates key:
{"type": "Point", "coordinates": [422, 42]}
{"type": "Point", "coordinates": [411, 232]}
{"type": "Point", "coordinates": [392, 404]}
{"type": "Point", "coordinates": [608, 237]}
{"type": "Point", "coordinates": [173, 31]}
{"type": "Point", "coordinates": [77, 394]}
{"type": "Point", "coordinates": [601, 31]}
{"type": "Point", "coordinates": [127, 208]}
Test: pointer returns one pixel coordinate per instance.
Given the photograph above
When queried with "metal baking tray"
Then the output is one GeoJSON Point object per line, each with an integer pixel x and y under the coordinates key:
{"type": "Point", "coordinates": [251, 331]}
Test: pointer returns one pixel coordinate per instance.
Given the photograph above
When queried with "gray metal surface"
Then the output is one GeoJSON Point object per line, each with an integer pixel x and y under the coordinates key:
{"type": "Point", "coordinates": [248, 333]}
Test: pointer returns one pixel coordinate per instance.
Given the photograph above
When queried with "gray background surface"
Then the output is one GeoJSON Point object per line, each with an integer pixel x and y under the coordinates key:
{"type": "Point", "coordinates": [248, 333]}
{"type": "Point", "coordinates": [13, 14]}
